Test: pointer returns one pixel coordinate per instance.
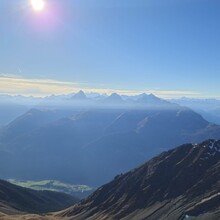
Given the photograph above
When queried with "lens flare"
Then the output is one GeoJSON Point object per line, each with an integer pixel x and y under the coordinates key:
{"type": "Point", "coordinates": [38, 5]}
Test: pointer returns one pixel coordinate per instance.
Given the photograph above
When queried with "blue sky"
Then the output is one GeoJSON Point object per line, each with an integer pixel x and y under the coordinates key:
{"type": "Point", "coordinates": [169, 47]}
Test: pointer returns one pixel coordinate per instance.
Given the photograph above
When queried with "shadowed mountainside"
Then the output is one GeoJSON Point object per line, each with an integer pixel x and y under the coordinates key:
{"type": "Point", "coordinates": [16, 200]}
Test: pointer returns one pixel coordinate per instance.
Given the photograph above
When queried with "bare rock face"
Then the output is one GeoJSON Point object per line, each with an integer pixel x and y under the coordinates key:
{"type": "Point", "coordinates": [183, 183]}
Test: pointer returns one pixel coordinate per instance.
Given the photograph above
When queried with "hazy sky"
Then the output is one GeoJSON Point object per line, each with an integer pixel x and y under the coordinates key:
{"type": "Point", "coordinates": [170, 47]}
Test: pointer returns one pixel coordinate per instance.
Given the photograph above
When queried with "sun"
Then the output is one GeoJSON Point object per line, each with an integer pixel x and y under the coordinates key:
{"type": "Point", "coordinates": [38, 5]}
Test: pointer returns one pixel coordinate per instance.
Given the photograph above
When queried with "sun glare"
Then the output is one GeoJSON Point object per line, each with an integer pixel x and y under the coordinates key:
{"type": "Point", "coordinates": [38, 5]}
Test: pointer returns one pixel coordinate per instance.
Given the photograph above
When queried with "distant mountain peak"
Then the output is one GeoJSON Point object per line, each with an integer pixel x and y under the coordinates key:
{"type": "Point", "coordinates": [114, 98]}
{"type": "Point", "coordinates": [150, 99]}
{"type": "Point", "coordinates": [115, 95]}
{"type": "Point", "coordinates": [79, 96]}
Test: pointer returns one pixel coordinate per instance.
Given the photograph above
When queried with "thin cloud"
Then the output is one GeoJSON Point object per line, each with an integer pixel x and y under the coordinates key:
{"type": "Point", "coordinates": [16, 84]}
{"type": "Point", "coordinates": [9, 75]}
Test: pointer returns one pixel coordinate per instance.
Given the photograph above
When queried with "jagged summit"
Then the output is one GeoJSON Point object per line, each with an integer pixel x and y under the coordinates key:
{"type": "Point", "coordinates": [79, 96]}
{"type": "Point", "coordinates": [152, 100]}
{"type": "Point", "coordinates": [177, 184]}
{"type": "Point", "coordinates": [151, 96]}
{"type": "Point", "coordinates": [114, 98]}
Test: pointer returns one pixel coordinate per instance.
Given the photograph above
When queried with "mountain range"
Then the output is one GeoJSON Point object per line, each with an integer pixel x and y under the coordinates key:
{"type": "Point", "coordinates": [91, 144]}
{"type": "Point", "coordinates": [13, 106]}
